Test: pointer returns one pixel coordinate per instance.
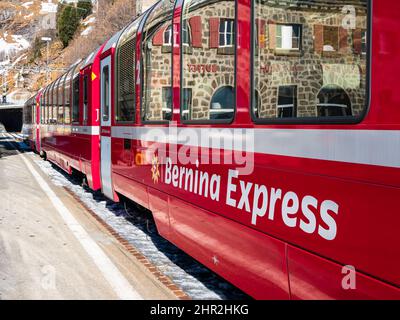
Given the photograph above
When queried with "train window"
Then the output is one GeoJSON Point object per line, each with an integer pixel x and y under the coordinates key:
{"type": "Point", "coordinates": [44, 106]}
{"type": "Point", "coordinates": [125, 111]}
{"type": "Point", "coordinates": [208, 68]}
{"type": "Point", "coordinates": [75, 99]}
{"type": "Point", "coordinates": [67, 98]}
{"type": "Point", "coordinates": [106, 95]}
{"type": "Point", "coordinates": [309, 60]}
{"type": "Point", "coordinates": [48, 105]}
{"type": "Point", "coordinates": [54, 103]}
{"type": "Point", "coordinates": [156, 60]}
{"type": "Point", "coordinates": [85, 98]}
{"type": "Point", "coordinates": [60, 100]}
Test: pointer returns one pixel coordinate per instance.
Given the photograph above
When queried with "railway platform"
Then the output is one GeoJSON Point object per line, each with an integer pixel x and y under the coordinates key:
{"type": "Point", "coordinates": [51, 248]}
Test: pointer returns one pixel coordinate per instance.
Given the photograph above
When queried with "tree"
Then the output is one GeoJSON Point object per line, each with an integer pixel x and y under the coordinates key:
{"type": "Point", "coordinates": [85, 8]}
{"type": "Point", "coordinates": [67, 24]}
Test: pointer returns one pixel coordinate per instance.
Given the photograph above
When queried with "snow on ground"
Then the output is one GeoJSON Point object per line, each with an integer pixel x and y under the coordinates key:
{"type": "Point", "coordinates": [9, 49]}
{"type": "Point", "coordinates": [132, 224]}
{"type": "Point", "coordinates": [48, 7]}
{"type": "Point", "coordinates": [89, 21]}
{"type": "Point", "coordinates": [86, 31]}
{"type": "Point", "coordinates": [27, 4]}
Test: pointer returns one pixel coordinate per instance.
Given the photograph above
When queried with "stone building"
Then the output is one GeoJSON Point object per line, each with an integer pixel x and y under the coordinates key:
{"type": "Point", "coordinates": [309, 59]}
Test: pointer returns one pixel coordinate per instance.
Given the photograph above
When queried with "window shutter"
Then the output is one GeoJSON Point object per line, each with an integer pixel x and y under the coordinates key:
{"type": "Point", "coordinates": [343, 43]}
{"type": "Point", "coordinates": [272, 35]}
{"type": "Point", "coordinates": [318, 38]}
{"type": "Point", "coordinates": [261, 33]}
{"type": "Point", "coordinates": [357, 41]}
{"type": "Point", "coordinates": [214, 32]}
{"type": "Point", "coordinates": [195, 28]}
{"type": "Point", "coordinates": [158, 38]}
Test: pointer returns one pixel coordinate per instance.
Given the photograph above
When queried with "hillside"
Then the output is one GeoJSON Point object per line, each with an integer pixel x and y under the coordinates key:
{"type": "Point", "coordinates": [23, 54]}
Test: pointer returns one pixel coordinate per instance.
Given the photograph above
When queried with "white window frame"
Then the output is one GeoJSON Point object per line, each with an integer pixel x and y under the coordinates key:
{"type": "Point", "coordinates": [287, 106]}
{"type": "Point", "coordinates": [225, 33]}
{"type": "Point", "coordinates": [364, 41]}
{"type": "Point", "coordinates": [187, 44]}
{"type": "Point", "coordinates": [291, 35]}
{"type": "Point", "coordinates": [169, 31]}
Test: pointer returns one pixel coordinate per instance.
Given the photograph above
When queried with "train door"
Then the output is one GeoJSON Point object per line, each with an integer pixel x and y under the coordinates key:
{"type": "Point", "coordinates": [39, 114]}
{"type": "Point", "coordinates": [105, 124]}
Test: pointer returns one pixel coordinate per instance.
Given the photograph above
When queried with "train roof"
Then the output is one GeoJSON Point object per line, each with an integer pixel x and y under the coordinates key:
{"type": "Point", "coordinates": [90, 58]}
{"type": "Point", "coordinates": [112, 42]}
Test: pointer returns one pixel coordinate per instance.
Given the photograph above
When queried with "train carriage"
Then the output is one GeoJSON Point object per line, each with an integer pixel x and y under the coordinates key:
{"type": "Point", "coordinates": [263, 137]}
{"type": "Point", "coordinates": [70, 123]}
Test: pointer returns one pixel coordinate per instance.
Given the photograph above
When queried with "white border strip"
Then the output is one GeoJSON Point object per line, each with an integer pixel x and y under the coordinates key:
{"type": "Point", "coordinates": [370, 147]}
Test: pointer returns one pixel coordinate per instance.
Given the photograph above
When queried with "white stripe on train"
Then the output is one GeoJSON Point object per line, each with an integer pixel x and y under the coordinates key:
{"type": "Point", "coordinates": [370, 147]}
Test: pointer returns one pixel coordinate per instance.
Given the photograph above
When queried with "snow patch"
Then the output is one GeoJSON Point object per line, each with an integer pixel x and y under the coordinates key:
{"type": "Point", "coordinates": [87, 31]}
{"type": "Point", "coordinates": [48, 7]}
{"type": "Point", "coordinates": [89, 21]}
{"type": "Point", "coordinates": [27, 4]}
{"type": "Point", "coordinates": [9, 49]}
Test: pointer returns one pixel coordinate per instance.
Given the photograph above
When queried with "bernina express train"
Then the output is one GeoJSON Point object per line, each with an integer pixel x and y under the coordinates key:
{"type": "Point", "coordinates": [264, 136]}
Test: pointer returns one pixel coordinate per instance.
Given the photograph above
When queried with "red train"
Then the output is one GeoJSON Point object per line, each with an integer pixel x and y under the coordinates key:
{"type": "Point", "coordinates": [262, 135]}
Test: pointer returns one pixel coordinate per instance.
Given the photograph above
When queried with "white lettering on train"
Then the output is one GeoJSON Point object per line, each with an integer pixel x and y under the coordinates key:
{"type": "Point", "coordinates": [307, 213]}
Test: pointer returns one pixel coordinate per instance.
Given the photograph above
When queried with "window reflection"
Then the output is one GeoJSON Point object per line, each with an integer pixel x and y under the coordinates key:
{"type": "Point", "coordinates": [158, 38]}
{"type": "Point", "coordinates": [208, 61]}
{"type": "Point", "coordinates": [309, 58]}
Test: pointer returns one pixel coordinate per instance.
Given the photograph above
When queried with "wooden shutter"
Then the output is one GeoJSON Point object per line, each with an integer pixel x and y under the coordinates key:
{"type": "Point", "coordinates": [261, 23]}
{"type": "Point", "coordinates": [158, 38]}
{"type": "Point", "coordinates": [343, 39]}
{"type": "Point", "coordinates": [357, 41]}
{"type": "Point", "coordinates": [318, 38]}
{"type": "Point", "coordinates": [196, 33]}
{"type": "Point", "coordinates": [214, 32]}
{"type": "Point", "coordinates": [272, 35]}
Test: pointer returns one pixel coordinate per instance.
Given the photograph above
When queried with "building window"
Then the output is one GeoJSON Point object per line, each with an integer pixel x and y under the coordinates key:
{"type": "Point", "coordinates": [186, 103]}
{"type": "Point", "coordinates": [226, 33]}
{"type": "Point", "coordinates": [287, 97]}
{"type": "Point", "coordinates": [186, 39]}
{"type": "Point", "coordinates": [168, 36]}
{"type": "Point", "coordinates": [222, 104]}
{"type": "Point", "coordinates": [257, 103]}
{"type": "Point", "coordinates": [288, 37]}
{"type": "Point", "coordinates": [333, 102]}
{"type": "Point", "coordinates": [331, 39]}
{"type": "Point", "coordinates": [166, 102]}
{"type": "Point", "coordinates": [364, 42]}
